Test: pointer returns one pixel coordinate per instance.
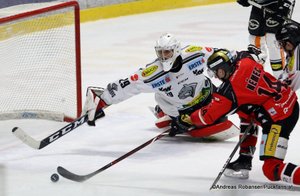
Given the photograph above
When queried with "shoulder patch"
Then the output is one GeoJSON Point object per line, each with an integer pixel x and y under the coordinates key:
{"type": "Point", "coordinates": [193, 49]}
{"type": "Point", "coordinates": [134, 77]}
{"type": "Point", "coordinates": [208, 49]}
{"type": "Point", "coordinates": [149, 70]}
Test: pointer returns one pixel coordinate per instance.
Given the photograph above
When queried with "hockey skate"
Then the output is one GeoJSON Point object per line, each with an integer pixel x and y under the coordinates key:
{"type": "Point", "coordinates": [239, 168]}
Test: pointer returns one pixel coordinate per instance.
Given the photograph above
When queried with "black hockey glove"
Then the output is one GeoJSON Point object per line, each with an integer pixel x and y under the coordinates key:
{"type": "Point", "coordinates": [243, 3]}
{"type": "Point", "coordinates": [179, 126]}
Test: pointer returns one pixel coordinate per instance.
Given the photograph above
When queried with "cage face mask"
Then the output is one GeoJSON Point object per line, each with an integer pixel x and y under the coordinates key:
{"type": "Point", "coordinates": [167, 50]}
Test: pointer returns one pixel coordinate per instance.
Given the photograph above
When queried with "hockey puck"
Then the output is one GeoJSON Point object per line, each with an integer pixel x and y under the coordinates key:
{"type": "Point", "coordinates": [14, 129]}
{"type": "Point", "coordinates": [54, 178]}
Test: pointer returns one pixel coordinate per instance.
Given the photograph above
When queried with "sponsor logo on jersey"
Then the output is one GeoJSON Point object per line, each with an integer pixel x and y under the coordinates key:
{"type": "Point", "coordinates": [272, 111]}
{"type": "Point", "coordinates": [271, 23]}
{"type": "Point", "coordinates": [196, 64]}
{"type": "Point", "coordinates": [188, 90]}
{"type": "Point", "coordinates": [193, 49]}
{"type": "Point", "coordinates": [134, 77]}
{"type": "Point", "coordinates": [149, 70]}
{"type": "Point", "coordinates": [178, 76]}
{"type": "Point", "coordinates": [208, 49]}
{"type": "Point", "coordinates": [167, 91]}
{"type": "Point", "coordinates": [182, 81]}
{"type": "Point", "coordinates": [198, 72]}
{"type": "Point", "coordinates": [253, 24]}
{"type": "Point", "coordinates": [161, 82]}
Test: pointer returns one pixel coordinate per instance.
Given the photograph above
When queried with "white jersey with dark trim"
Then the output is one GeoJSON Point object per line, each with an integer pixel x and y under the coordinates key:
{"type": "Point", "coordinates": [173, 90]}
{"type": "Point", "coordinates": [292, 69]}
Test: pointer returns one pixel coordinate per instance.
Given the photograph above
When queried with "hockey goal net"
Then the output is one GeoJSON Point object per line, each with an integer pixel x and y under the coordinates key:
{"type": "Point", "coordinates": [40, 74]}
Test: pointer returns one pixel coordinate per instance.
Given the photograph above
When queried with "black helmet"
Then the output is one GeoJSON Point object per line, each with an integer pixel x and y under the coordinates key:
{"type": "Point", "coordinates": [289, 32]}
{"type": "Point", "coordinates": [224, 59]}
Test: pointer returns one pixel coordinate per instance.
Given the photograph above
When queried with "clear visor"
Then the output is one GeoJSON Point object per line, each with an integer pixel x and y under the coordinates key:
{"type": "Point", "coordinates": [211, 73]}
{"type": "Point", "coordinates": [164, 55]}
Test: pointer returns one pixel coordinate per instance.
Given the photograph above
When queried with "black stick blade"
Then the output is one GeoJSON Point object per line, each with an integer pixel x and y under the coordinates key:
{"type": "Point", "coordinates": [71, 176]}
{"type": "Point", "coordinates": [80, 178]}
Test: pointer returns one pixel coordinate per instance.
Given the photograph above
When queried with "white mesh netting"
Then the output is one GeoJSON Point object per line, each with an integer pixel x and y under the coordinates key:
{"type": "Point", "coordinates": [38, 63]}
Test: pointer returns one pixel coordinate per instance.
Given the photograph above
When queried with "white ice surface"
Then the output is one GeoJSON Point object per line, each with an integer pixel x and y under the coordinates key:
{"type": "Point", "coordinates": [179, 166]}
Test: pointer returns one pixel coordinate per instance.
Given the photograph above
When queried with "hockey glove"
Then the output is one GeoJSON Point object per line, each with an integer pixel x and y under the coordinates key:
{"type": "Point", "coordinates": [287, 78]}
{"type": "Point", "coordinates": [94, 104]}
{"type": "Point", "coordinates": [257, 54]}
{"type": "Point", "coordinates": [243, 3]}
{"type": "Point", "coordinates": [180, 124]}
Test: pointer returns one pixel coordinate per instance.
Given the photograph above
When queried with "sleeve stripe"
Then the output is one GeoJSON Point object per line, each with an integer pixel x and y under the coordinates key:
{"type": "Point", "coordinates": [201, 118]}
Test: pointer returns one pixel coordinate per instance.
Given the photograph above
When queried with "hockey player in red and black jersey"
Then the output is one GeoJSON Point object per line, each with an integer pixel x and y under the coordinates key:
{"type": "Point", "coordinates": [259, 99]}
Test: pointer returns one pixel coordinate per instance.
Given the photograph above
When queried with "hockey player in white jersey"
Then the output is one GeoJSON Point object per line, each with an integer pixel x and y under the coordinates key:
{"type": "Point", "coordinates": [288, 38]}
{"type": "Point", "coordinates": [176, 77]}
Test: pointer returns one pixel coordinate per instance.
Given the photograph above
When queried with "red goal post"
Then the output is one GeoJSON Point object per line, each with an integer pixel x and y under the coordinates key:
{"type": "Point", "coordinates": [40, 65]}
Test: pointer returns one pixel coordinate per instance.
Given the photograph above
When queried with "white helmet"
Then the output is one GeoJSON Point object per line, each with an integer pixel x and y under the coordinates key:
{"type": "Point", "coordinates": [167, 50]}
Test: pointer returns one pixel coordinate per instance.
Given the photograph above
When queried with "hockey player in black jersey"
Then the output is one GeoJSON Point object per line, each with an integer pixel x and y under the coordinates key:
{"type": "Point", "coordinates": [263, 26]}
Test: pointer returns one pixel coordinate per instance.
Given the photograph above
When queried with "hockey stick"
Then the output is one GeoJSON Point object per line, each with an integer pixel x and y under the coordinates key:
{"type": "Point", "coordinates": [231, 156]}
{"type": "Point", "coordinates": [272, 12]}
{"type": "Point", "coordinates": [80, 178]}
{"type": "Point", "coordinates": [27, 139]}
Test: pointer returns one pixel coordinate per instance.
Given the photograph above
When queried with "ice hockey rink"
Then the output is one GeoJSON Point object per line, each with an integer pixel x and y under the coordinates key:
{"type": "Point", "coordinates": [179, 166]}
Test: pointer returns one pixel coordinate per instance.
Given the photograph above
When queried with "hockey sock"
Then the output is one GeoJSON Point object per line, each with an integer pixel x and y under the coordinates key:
{"type": "Point", "coordinates": [247, 147]}
{"type": "Point", "coordinates": [275, 170]}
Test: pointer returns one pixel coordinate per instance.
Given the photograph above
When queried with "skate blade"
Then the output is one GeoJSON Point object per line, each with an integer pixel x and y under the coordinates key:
{"type": "Point", "coordinates": [241, 174]}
